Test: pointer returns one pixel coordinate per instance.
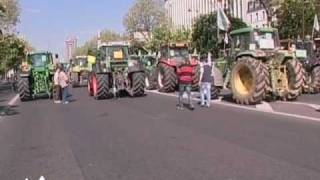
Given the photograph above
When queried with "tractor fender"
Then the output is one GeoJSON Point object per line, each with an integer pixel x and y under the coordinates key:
{"type": "Point", "coordinates": [138, 68]}
{"type": "Point", "coordinates": [218, 77]}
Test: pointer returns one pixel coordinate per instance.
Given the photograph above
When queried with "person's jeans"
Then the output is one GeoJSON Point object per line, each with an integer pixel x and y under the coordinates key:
{"type": "Point", "coordinates": [65, 94]}
{"type": "Point", "coordinates": [205, 93]}
{"type": "Point", "coordinates": [185, 88]}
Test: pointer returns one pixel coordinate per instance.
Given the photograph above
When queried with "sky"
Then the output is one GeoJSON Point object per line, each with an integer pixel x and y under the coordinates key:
{"type": "Point", "coordinates": [48, 23]}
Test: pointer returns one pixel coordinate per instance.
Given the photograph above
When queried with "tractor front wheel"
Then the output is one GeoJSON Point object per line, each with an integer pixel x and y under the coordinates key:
{"type": "Point", "coordinates": [248, 81]}
{"type": "Point", "coordinates": [138, 84]}
{"type": "Point", "coordinates": [24, 89]}
{"type": "Point", "coordinates": [74, 79]}
{"type": "Point", "coordinates": [295, 79]}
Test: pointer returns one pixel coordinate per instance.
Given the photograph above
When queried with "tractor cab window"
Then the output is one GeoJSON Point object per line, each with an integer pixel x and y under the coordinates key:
{"type": "Point", "coordinates": [241, 42]}
{"type": "Point", "coordinates": [39, 60]}
{"type": "Point", "coordinates": [117, 52]}
{"type": "Point", "coordinates": [82, 62]}
{"type": "Point", "coordinates": [178, 52]}
{"type": "Point", "coordinates": [265, 40]}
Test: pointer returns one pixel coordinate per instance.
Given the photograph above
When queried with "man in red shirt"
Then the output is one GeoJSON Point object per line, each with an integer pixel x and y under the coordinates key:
{"type": "Point", "coordinates": [185, 74]}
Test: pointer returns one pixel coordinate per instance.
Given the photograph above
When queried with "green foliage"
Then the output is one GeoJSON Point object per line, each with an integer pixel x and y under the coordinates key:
{"type": "Point", "coordinates": [290, 18]}
{"type": "Point", "coordinates": [144, 15]}
{"type": "Point", "coordinates": [10, 14]}
{"type": "Point", "coordinates": [162, 35]}
{"type": "Point", "coordinates": [12, 52]}
{"type": "Point", "coordinates": [204, 36]}
{"type": "Point", "coordinates": [105, 36]}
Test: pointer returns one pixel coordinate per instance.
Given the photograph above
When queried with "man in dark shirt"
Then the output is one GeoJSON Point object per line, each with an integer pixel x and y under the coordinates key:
{"type": "Point", "coordinates": [185, 74]}
{"type": "Point", "coordinates": [206, 77]}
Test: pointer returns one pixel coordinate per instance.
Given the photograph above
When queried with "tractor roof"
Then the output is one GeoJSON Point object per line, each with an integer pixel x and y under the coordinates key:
{"type": "Point", "coordinates": [115, 43]}
{"type": "Point", "coordinates": [39, 52]}
{"type": "Point", "coordinates": [250, 29]}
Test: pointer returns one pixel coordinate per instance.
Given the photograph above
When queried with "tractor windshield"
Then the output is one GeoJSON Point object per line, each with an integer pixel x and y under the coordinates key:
{"type": "Point", "coordinates": [39, 60]}
{"type": "Point", "coordinates": [118, 52]}
{"type": "Point", "coordinates": [82, 62]}
{"type": "Point", "coordinates": [179, 52]}
{"type": "Point", "coordinates": [266, 40]}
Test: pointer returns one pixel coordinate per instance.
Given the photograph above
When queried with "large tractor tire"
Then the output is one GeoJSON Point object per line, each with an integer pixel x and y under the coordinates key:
{"type": "Point", "coordinates": [138, 84]}
{"type": "Point", "coordinates": [152, 80]}
{"type": "Point", "coordinates": [100, 86]}
{"type": "Point", "coordinates": [75, 79]}
{"type": "Point", "coordinates": [167, 78]}
{"type": "Point", "coordinates": [248, 81]}
{"type": "Point", "coordinates": [24, 89]}
{"type": "Point", "coordinates": [295, 79]}
{"type": "Point", "coordinates": [315, 79]}
{"type": "Point", "coordinates": [215, 91]}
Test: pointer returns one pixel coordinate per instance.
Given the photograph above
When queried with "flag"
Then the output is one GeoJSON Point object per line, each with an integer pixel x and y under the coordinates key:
{"type": "Point", "coordinates": [316, 23]}
{"type": "Point", "coordinates": [222, 20]}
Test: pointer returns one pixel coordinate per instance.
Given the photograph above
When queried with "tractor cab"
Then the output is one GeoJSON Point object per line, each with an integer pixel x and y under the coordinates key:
{"type": "Point", "coordinates": [40, 60]}
{"type": "Point", "coordinates": [252, 39]}
{"type": "Point", "coordinates": [174, 54]}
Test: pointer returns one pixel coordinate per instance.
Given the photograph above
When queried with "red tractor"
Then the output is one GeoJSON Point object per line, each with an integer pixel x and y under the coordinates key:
{"type": "Point", "coordinates": [171, 56]}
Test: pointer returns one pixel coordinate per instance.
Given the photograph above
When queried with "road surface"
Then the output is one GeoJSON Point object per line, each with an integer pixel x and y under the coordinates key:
{"type": "Point", "coordinates": [147, 138]}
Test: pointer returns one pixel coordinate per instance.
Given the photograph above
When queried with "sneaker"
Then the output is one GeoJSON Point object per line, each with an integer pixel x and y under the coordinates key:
{"type": "Point", "coordinates": [66, 102]}
{"type": "Point", "coordinates": [191, 107]}
{"type": "Point", "coordinates": [57, 102]}
{"type": "Point", "coordinates": [179, 107]}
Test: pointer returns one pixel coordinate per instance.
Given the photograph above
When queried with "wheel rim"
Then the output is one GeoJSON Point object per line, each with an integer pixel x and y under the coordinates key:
{"type": "Point", "coordinates": [89, 88]}
{"type": "Point", "coordinates": [243, 81]}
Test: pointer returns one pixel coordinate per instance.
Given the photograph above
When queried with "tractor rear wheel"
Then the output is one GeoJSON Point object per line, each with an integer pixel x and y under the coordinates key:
{"type": "Point", "coordinates": [248, 81]}
{"type": "Point", "coordinates": [100, 86]}
{"type": "Point", "coordinates": [138, 84]}
{"type": "Point", "coordinates": [24, 89]}
{"type": "Point", "coordinates": [167, 78]}
{"type": "Point", "coordinates": [75, 79]}
{"type": "Point", "coordinates": [295, 79]}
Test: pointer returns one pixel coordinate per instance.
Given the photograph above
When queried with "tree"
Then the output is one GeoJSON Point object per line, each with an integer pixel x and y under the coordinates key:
{"type": "Point", "coordinates": [293, 20]}
{"type": "Point", "coordinates": [164, 34]}
{"type": "Point", "coordinates": [12, 51]}
{"type": "Point", "coordinates": [10, 17]}
{"type": "Point", "coordinates": [105, 36]}
{"type": "Point", "coordinates": [204, 35]}
{"type": "Point", "coordinates": [144, 16]}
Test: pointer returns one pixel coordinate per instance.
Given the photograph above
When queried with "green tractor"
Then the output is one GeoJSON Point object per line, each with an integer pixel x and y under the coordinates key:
{"type": "Point", "coordinates": [81, 66]}
{"type": "Point", "coordinates": [115, 72]}
{"type": "Point", "coordinates": [35, 77]}
{"type": "Point", "coordinates": [257, 69]}
{"type": "Point", "coordinates": [306, 53]}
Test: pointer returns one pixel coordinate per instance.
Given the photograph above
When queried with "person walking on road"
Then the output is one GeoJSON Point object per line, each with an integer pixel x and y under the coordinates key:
{"type": "Point", "coordinates": [185, 73]}
{"type": "Point", "coordinates": [205, 81]}
{"type": "Point", "coordinates": [57, 88]}
{"type": "Point", "coordinates": [64, 82]}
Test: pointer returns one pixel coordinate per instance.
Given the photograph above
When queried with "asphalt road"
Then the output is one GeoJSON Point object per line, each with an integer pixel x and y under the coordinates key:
{"type": "Point", "coordinates": [147, 138]}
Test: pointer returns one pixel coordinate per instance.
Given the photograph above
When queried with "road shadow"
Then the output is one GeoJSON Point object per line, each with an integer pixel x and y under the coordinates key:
{"type": "Point", "coordinates": [8, 110]}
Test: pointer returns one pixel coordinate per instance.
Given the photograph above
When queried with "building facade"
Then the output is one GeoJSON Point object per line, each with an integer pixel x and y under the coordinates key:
{"type": "Point", "coordinates": [183, 13]}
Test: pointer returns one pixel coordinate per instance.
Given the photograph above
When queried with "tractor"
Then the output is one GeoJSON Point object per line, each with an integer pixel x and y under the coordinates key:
{"type": "Point", "coordinates": [163, 73]}
{"type": "Point", "coordinates": [257, 69]}
{"type": "Point", "coordinates": [35, 76]}
{"type": "Point", "coordinates": [306, 53]}
{"type": "Point", "coordinates": [80, 68]}
{"type": "Point", "coordinates": [114, 72]}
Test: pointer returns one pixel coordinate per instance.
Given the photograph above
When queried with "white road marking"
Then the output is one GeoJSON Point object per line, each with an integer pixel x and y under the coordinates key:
{"type": "Point", "coordinates": [264, 106]}
{"type": "Point", "coordinates": [247, 108]}
{"type": "Point", "coordinates": [13, 100]}
{"type": "Point", "coordinates": [314, 106]}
